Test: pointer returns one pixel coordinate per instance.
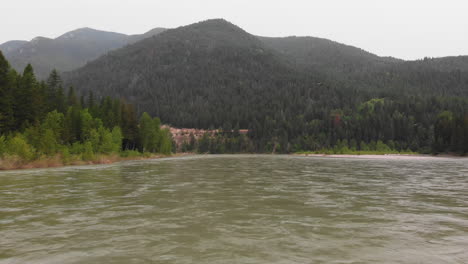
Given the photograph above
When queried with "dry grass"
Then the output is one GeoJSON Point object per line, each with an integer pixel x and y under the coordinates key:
{"type": "Point", "coordinates": [106, 159]}
{"type": "Point", "coordinates": [10, 163]}
{"type": "Point", "coordinates": [15, 163]}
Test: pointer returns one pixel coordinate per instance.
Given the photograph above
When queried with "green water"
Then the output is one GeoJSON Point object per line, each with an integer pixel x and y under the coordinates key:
{"type": "Point", "coordinates": [238, 209]}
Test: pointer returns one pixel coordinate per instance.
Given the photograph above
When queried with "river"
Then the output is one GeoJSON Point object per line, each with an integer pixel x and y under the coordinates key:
{"type": "Point", "coordinates": [238, 209]}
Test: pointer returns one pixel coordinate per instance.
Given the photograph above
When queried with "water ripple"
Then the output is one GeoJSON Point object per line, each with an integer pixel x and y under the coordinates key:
{"type": "Point", "coordinates": [238, 209]}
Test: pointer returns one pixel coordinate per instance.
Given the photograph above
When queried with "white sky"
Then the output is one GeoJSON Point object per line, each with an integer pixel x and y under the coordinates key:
{"type": "Point", "coordinates": [408, 29]}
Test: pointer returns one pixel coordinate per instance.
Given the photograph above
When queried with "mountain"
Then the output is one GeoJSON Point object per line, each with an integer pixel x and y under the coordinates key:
{"type": "Point", "coordinates": [444, 64]}
{"type": "Point", "coordinates": [68, 51]}
{"type": "Point", "coordinates": [153, 32]}
{"type": "Point", "coordinates": [292, 94]}
{"type": "Point", "coordinates": [11, 46]}
{"type": "Point", "coordinates": [195, 76]}
{"type": "Point", "coordinates": [333, 58]}
{"type": "Point", "coordinates": [206, 74]}
{"type": "Point", "coordinates": [348, 66]}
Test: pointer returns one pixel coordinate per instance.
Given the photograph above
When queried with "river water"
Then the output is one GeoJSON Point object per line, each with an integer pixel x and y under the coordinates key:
{"type": "Point", "coordinates": [238, 209]}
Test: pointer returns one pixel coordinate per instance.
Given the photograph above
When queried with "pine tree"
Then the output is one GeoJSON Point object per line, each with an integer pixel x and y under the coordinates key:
{"type": "Point", "coordinates": [60, 100]}
{"type": "Point", "coordinates": [7, 77]}
{"type": "Point", "coordinates": [53, 84]}
{"type": "Point", "coordinates": [24, 110]}
{"type": "Point", "coordinates": [146, 132]}
{"type": "Point", "coordinates": [72, 99]}
{"type": "Point", "coordinates": [129, 125]}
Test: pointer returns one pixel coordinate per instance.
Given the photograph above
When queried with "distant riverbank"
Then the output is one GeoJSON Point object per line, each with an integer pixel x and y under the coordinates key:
{"type": "Point", "coordinates": [379, 156]}
{"type": "Point", "coordinates": [14, 163]}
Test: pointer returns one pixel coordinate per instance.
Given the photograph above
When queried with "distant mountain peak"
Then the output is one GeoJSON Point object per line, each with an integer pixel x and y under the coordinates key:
{"type": "Point", "coordinates": [155, 30]}
{"type": "Point", "coordinates": [37, 39]}
{"type": "Point", "coordinates": [217, 23]}
{"type": "Point", "coordinates": [69, 51]}
{"type": "Point", "coordinates": [86, 32]}
{"type": "Point", "coordinates": [11, 46]}
{"type": "Point", "coordinates": [214, 32]}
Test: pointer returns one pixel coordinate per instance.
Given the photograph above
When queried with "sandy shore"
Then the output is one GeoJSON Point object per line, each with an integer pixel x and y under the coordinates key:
{"type": "Point", "coordinates": [385, 156]}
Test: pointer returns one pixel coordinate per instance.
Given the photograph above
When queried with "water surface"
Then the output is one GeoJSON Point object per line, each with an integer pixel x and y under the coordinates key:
{"type": "Point", "coordinates": [238, 209]}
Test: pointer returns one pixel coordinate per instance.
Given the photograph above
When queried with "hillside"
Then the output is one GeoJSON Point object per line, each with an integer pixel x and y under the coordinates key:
{"type": "Point", "coordinates": [11, 46]}
{"type": "Point", "coordinates": [200, 75]}
{"type": "Point", "coordinates": [290, 94]}
{"type": "Point", "coordinates": [332, 58]}
{"type": "Point", "coordinates": [137, 37]}
{"type": "Point", "coordinates": [348, 66]}
{"type": "Point", "coordinates": [68, 51]}
{"type": "Point", "coordinates": [444, 64]}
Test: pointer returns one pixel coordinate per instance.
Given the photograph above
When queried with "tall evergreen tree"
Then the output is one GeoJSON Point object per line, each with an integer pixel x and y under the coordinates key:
{"type": "Point", "coordinates": [7, 77]}
{"type": "Point", "coordinates": [24, 109]}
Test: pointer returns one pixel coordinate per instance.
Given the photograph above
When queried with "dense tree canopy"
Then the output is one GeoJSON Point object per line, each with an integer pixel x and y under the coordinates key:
{"type": "Point", "coordinates": [36, 119]}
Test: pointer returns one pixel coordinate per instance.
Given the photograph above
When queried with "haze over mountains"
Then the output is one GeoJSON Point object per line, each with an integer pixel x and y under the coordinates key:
{"type": "Point", "coordinates": [68, 51]}
{"type": "Point", "coordinates": [75, 48]}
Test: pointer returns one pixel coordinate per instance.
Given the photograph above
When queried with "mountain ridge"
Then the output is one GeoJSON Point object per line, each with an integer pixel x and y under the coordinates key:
{"type": "Point", "coordinates": [193, 63]}
{"type": "Point", "coordinates": [75, 48]}
{"type": "Point", "coordinates": [68, 51]}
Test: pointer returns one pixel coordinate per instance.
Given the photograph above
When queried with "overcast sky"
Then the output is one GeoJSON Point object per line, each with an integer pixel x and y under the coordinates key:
{"type": "Point", "coordinates": [408, 29]}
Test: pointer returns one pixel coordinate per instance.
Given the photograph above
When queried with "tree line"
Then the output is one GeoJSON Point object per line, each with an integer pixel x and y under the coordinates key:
{"type": "Point", "coordinates": [408, 124]}
{"type": "Point", "coordinates": [38, 119]}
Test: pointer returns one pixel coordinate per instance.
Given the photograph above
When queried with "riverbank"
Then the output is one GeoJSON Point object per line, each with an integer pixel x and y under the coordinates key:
{"type": "Point", "coordinates": [15, 163]}
{"type": "Point", "coordinates": [379, 156]}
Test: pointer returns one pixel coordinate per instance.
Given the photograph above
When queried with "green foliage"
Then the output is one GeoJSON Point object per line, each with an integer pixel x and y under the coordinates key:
{"type": "Point", "coordinates": [165, 142]}
{"type": "Point", "coordinates": [150, 133]}
{"type": "Point", "coordinates": [204, 144]}
{"type": "Point", "coordinates": [18, 146]}
{"type": "Point", "coordinates": [106, 144]}
{"type": "Point", "coordinates": [382, 147]}
{"type": "Point", "coordinates": [88, 153]}
{"type": "Point", "coordinates": [65, 154]}
{"type": "Point", "coordinates": [76, 148]}
{"type": "Point", "coordinates": [87, 124]}
{"type": "Point", "coordinates": [130, 154]}
{"type": "Point", "coordinates": [38, 109]}
{"type": "Point", "coordinates": [3, 146]}
{"type": "Point", "coordinates": [7, 85]}
{"type": "Point", "coordinates": [54, 122]}
{"type": "Point", "coordinates": [117, 138]}
{"type": "Point", "coordinates": [48, 143]}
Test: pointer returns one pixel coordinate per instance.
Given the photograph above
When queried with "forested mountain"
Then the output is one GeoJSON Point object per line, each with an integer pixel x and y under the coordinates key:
{"type": "Point", "coordinates": [329, 57]}
{"type": "Point", "coordinates": [445, 64]}
{"type": "Point", "coordinates": [291, 93]}
{"type": "Point", "coordinates": [68, 51]}
{"type": "Point", "coordinates": [349, 66]}
{"type": "Point", "coordinates": [195, 76]}
{"type": "Point", "coordinates": [153, 32]}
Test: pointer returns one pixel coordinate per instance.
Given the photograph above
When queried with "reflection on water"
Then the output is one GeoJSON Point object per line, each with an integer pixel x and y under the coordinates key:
{"type": "Point", "coordinates": [238, 209]}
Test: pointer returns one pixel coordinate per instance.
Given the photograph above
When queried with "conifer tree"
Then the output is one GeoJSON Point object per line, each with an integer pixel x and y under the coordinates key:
{"type": "Point", "coordinates": [7, 77]}
{"type": "Point", "coordinates": [53, 83]}
{"type": "Point", "coordinates": [23, 107]}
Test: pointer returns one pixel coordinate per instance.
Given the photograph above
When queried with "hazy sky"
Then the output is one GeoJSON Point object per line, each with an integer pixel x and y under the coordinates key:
{"type": "Point", "coordinates": [408, 29]}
